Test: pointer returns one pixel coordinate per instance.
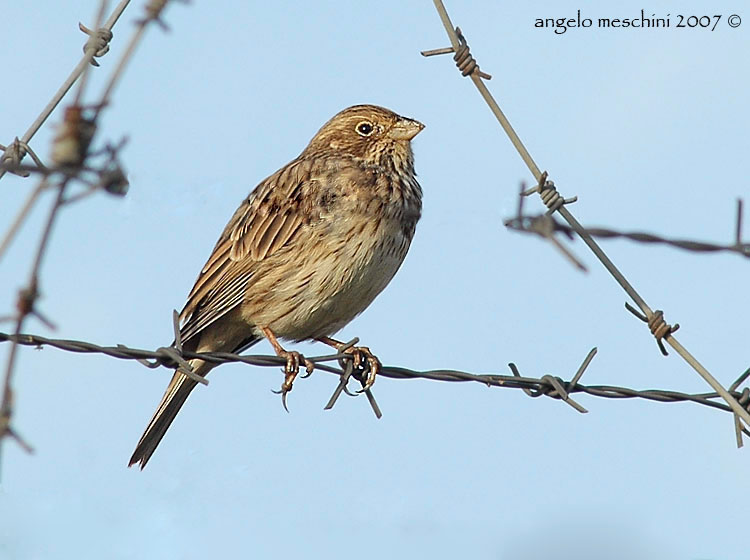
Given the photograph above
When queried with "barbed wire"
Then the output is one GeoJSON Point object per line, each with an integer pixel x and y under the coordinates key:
{"type": "Point", "coordinates": [555, 202]}
{"type": "Point", "coordinates": [551, 386]}
{"type": "Point", "coordinates": [544, 225]}
{"type": "Point", "coordinates": [70, 149]}
{"type": "Point", "coordinates": [97, 45]}
{"type": "Point", "coordinates": [73, 162]}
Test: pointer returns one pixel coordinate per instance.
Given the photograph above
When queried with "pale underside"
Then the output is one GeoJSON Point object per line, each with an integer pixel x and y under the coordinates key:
{"type": "Point", "coordinates": [299, 258]}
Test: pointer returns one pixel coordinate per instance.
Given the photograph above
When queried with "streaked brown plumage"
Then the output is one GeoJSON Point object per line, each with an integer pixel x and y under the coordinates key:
{"type": "Point", "coordinates": [306, 252]}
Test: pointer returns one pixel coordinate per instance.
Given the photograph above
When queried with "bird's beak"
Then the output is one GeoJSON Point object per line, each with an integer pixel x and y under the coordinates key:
{"type": "Point", "coordinates": [405, 129]}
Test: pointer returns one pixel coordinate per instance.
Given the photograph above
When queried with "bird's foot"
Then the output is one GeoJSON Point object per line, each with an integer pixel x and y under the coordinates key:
{"type": "Point", "coordinates": [360, 355]}
{"type": "Point", "coordinates": [291, 371]}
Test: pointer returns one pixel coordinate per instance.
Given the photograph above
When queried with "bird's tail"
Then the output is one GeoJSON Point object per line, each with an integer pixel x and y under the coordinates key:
{"type": "Point", "coordinates": [174, 397]}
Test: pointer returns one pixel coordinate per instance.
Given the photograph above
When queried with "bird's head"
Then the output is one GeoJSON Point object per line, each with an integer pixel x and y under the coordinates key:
{"type": "Point", "coordinates": [374, 135]}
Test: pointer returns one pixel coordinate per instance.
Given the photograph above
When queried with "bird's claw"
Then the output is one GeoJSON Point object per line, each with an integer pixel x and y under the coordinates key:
{"type": "Point", "coordinates": [359, 355]}
{"type": "Point", "coordinates": [348, 392]}
{"type": "Point", "coordinates": [371, 374]}
{"type": "Point", "coordinates": [291, 370]}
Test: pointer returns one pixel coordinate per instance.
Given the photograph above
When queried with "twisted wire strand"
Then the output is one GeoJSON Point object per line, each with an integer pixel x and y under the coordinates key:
{"type": "Point", "coordinates": [72, 149]}
{"type": "Point", "coordinates": [70, 152]}
{"type": "Point", "coordinates": [533, 224]}
{"type": "Point", "coordinates": [97, 45]}
{"type": "Point", "coordinates": [550, 386]}
{"type": "Point", "coordinates": [614, 271]}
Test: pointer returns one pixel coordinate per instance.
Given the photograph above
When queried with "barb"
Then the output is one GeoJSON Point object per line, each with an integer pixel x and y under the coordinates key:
{"type": "Point", "coordinates": [70, 154]}
{"type": "Point", "coordinates": [70, 147]}
{"type": "Point", "coordinates": [91, 49]}
{"type": "Point", "coordinates": [547, 385]}
{"type": "Point", "coordinates": [14, 153]}
{"type": "Point", "coordinates": [26, 306]}
{"type": "Point", "coordinates": [463, 59]}
{"type": "Point", "coordinates": [543, 188]}
{"type": "Point", "coordinates": [545, 226]}
{"type": "Point", "coordinates": [72, 135]}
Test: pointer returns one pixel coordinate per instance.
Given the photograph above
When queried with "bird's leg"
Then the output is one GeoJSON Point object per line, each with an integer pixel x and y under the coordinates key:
{"type": "Point", "coordinates": [291, 370]}
{"type": "Point", "coordinates": [359, 354]}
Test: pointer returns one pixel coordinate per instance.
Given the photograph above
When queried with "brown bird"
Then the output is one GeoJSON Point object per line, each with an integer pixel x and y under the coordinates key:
{"type": "Point", "coordinates": [305, 253]}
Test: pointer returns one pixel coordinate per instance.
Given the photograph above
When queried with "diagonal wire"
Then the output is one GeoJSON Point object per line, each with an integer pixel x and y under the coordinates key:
{"type": "Point", "coordinates": [69, 152]}
{"type": "Point", "coordinates": [90, 51]}
{"type": "Point", "coordinates": [459, 45]}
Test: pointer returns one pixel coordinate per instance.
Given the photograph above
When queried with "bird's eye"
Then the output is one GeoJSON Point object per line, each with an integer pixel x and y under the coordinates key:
{"type": "Point", "coordinates": [364, 128]}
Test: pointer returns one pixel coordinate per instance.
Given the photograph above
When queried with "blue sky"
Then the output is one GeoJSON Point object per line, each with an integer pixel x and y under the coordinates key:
{"type": "Point", "coordinates": [647, 127]}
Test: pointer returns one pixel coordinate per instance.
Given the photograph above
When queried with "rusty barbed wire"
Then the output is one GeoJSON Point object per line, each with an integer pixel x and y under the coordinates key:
{"type": "Point", "coordinates": [556, 203]}
{"type": "Point", "coordinates": [79, 125]}
{"type": "Point", "coordinates": [551, 386]}
{"type": "Point", "coordinates": [97, 45]}
{"type": "Point", "coordinates": [73, 163]}
{"type": "Point", "coordinates": [76, 131]}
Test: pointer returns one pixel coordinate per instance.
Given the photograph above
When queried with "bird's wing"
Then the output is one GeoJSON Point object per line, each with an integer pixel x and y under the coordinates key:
{"type": "Point", "coordinates": [266, 221]}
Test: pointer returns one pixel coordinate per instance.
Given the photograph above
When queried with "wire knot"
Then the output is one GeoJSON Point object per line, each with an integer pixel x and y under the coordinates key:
{"type": "Point", "coordinates": [153, 10]}
{"type": "Point", "coordinates": [656, 324]}
{"type": "Point", "coordinates": [464, 61]}
{"type": "Point", "coordinates": [183, 366]}
{"type": "Point", "coordinates": [552, 199]}
{"type": "Point", "coordinates": [12, 156]}
{"type": "Point", "coordinates": [98, 41]}
{"type": "Point", "coordinates": [555, 387]}
{"type": "Point", "coordinates": [71, 144]}
{"type": "Point", "coordinates": [26, 299]}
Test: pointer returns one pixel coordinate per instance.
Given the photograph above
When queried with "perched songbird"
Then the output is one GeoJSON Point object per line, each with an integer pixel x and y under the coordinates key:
{"type": "Point", "coordinates": [305, 253]}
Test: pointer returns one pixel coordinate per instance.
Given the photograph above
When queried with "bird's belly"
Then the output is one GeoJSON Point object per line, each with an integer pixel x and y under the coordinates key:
{"type": "Point", "coordinates": [338, 273]}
